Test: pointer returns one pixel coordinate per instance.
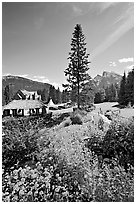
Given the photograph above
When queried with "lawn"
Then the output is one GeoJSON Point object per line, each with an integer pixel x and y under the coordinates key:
{"type": "Point", "coordinates": [125, 112]}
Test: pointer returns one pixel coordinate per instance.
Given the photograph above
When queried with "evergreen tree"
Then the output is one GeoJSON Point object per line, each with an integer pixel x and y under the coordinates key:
{"type": "Point", "coordinates": [122, 92]}
{"type": "Point", "coordinates": [53, 94]}
{"type": "Point", "coordinates": [65, 96]}
{"type": "Point", "coordinates": [78, 63]}
{"type": "Point", "coordinates": [7, 94]}
{"type": "Point", "coordinates": [58, 95]}
{"type": "Point", "coordinates": [44, 95]}
{"type": "Point", "coordinates": [100, 96]}
{"type": "Point", "coordinates": [130, 88]}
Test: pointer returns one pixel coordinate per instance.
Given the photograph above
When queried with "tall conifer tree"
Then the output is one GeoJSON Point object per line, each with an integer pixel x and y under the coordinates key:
{"type": "Point", "coordinates": [122, 92]}
{"type": "Point", "coordinates": [78, 63]}
{"type": "Point", "coordinates": [130, 88]}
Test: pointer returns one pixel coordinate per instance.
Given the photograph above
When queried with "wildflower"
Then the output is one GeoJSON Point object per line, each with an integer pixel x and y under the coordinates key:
{"type": "Point", "coordinates": [57, 189]}
{"type": "Point", "coordinates": [41, 193]}
{"type": "Point", "coordinates": [23, 180]}
{"type": "Point", "coordinates": [21, 192]}
{"type": "Point", "coordinates": [85, 176]}
{"type": "Point", "coordinates": [57, 175]}
{"type": "Point", "coordinates": [59, 178]}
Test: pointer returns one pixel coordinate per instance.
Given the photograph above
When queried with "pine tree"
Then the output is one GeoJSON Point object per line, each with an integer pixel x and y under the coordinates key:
{"type": "Point", "coordinates": [44, 95]}
{"type": "Point", "coordinates": [7, 94]}
{"type": "Point", "coordinates": [100, 96]}
{"type": "Point", "coordinates": [122, 92]}
{"type": "Point", "coordinates": [78, 63]}
{"type": "Point", "coordinates": [58, 95]}
{"type": "Point", "coordinates": [53, 94]}
{"type": "Point", "coordinates": [130, 88]}
{"type": "Point", "coordinates": [65, 96]}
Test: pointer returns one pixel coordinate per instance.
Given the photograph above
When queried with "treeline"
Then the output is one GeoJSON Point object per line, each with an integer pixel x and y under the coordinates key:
{"type": "Point", "coordinates": [126, 94]}
{"type": "Point", "coordinates": [55, 94]}
{"type": "Point", "coordinates": [122, 93]}
{"type": "Point", "coordinates": [110, 94]}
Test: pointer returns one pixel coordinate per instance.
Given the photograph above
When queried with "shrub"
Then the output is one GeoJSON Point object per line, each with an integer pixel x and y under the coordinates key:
{"type": "Point", "coordinates": [113, 184]}
{"type": "Point", "coordinates": [67, 122]}
{"type": "Point", "coordinates": [76, 118]}
{"type": "Point", "coordinates": [119, 141]}
{"type": "Point", "coordinates": [17, 147]}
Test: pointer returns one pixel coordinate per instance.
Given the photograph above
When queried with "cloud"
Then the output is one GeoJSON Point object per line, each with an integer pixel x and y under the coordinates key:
{"type": "Point", "coordinates": [81, 8]}
{"type": "Point", "coordinates": [76, 10]}
{"type": "Point", "coordinates": [114, 36]}
{"type": "Point", "coordinates": [129, 68]}
{"type": "Point", "coordinates": [44, 79]}
{"type": "Point", "coordinates": [126, 20]}
{"type": "Point", "coordinates": [39, 22]}
{"type": "Point", "coordinates": [125, 14]}
{"type": "Point", "coordinates": [112, 64]}
{"type": "Point", "coordinates": [103, 6]}
{"type": "Point", "coordinates": [39, 77]}
{"type": "Point", "coordinates": [125, 60]}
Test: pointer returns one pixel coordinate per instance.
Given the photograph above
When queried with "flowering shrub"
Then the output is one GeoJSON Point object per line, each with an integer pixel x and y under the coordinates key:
{"type": "Point", "coordinates": [18, 147]}
{"type": "Point", "coordinates": [113, 184]}
{"type": "Point", "coordinates": [119, 141]}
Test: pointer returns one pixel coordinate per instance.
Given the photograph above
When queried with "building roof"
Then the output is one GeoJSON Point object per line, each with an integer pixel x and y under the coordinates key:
{"type": "Point", "coordinates": [29, 93]}
{"type": "Point", "coordinates": [23, 104]}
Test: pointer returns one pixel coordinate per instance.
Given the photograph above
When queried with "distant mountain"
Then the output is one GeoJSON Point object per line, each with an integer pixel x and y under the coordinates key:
{"type": "Point", "coordinates": [17, 83]}
{"type": "Point", "coordinates": [106, 79]}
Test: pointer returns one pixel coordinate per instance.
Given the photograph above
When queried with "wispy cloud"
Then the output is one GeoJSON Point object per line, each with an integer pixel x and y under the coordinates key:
{"type": "Point", "coordinates": [44, 79]}
{"type": "Point", "coordinates": [112, 64]}
{"type": "Point", "coordinates": [41, 79]}
{"type": "Point", "coordinates": [129, 68]}
{"type": "Point", "coordinates": [77, 10]}
{"type": "Point", "coordinates": [39, 22]}
{"type": "Point", "coordinates": [126, 25]}
{"type": "Point", "coordinates": [125, 14]}
{"type": "Point", "coordinates": [103, 6]}
{"type": "Point", "coordinates": [130, 59]}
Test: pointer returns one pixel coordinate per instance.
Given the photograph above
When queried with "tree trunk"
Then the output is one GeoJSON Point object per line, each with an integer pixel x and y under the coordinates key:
{"type": "Point", "coordinates": [78, 96]}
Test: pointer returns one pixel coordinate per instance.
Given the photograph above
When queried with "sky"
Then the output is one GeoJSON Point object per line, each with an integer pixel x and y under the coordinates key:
{"type": "Point", "coordinates": [36, 37]}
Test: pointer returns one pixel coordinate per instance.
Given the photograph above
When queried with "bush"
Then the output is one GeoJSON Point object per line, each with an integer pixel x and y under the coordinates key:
{"type": "Point", "coordinates": [76, 118]}
{"type": "Point", "coordinates": [18, 147]}
{"type": "Point", "coordinates": [113, 184]}
{"type": "Point", "coordinates": [119, 141]}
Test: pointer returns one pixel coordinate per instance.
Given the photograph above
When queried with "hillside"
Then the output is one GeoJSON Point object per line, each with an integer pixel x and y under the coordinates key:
{"type": "Point", "coordinates": [17, 83]}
